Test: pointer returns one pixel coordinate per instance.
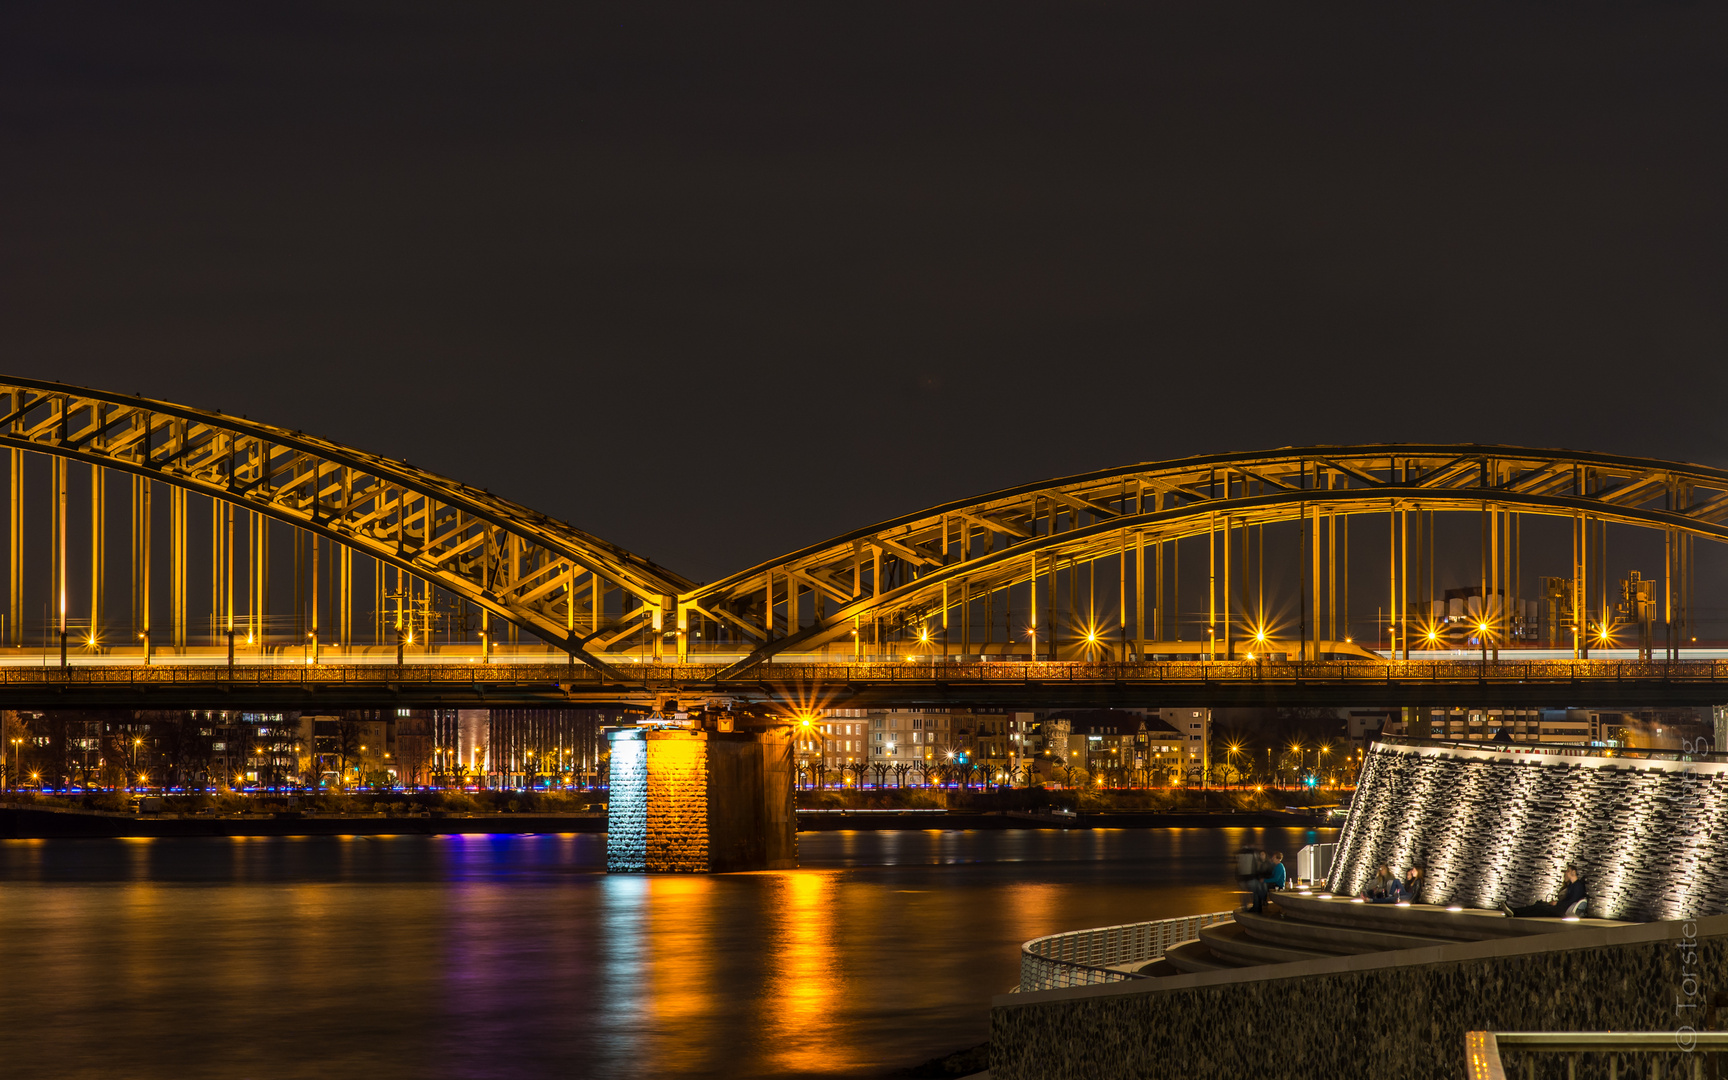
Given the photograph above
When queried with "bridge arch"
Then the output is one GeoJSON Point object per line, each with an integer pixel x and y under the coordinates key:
{"type": "Point", "coordinates": [924, 565]}
{"type": "Point", "coordinates": [542, 575]}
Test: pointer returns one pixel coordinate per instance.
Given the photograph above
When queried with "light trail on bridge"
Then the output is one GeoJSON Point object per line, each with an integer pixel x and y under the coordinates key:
{"type": "Point", "coordinates": [793, 689]}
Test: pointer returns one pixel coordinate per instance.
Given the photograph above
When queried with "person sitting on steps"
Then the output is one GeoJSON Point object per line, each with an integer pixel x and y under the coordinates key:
{"type": "Point", "coordinates": [1274, 878]}
{"type": "Point", "coordinates": [1384, 885]}
{"type": "Point", "coordinates": [1568, 903]}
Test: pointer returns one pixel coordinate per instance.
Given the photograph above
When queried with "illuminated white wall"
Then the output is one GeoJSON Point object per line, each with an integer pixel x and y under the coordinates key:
{"type": "Point", "coordinates": [1492, 827]}
{"type": "Point", "coordinates": [627, 803]}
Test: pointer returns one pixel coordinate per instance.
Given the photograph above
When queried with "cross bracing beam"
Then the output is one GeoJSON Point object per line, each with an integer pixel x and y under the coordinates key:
{"type": "Point", "coordinates": [487, 550]}
{"type": "Point", "coordinates": [1095, 515]}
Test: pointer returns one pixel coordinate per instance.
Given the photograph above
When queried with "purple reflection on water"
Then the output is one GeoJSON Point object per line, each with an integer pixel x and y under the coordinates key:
{"type": "Point", "coordinates": [517, 956]}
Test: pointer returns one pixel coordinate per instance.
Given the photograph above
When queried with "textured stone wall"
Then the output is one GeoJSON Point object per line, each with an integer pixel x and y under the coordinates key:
{"type": "Point", "coordinates": [1494, 827]}
{"type": "Point", "coordinates": [677, 802]}
{"type": "Point", "coordinates": [1388, 1014]}
{"type": "Point", "coordinates": [627, 803]}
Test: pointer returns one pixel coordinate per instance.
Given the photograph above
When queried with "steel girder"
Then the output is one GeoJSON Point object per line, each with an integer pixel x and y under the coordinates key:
{"type": "Point", "coordinates": [520, 565]}
{"type": "Point", "coordinates": [910, 566]}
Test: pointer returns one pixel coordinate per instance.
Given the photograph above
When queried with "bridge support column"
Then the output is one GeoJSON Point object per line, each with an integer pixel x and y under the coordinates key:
{"type": "Point", "coordinates": [700, 801]}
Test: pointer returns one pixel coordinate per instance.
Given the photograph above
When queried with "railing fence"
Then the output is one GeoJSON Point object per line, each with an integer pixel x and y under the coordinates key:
{"type": "Point", "coordinates": [1104, 953]}
{"type": "Point", "coordinates": [1314, 862]}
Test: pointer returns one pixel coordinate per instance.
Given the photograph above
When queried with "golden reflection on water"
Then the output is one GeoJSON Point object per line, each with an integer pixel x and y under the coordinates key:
{"type": "Point", "coordinates": [679, 989]}
{"type": "Point", "coordinates": [804, 983]}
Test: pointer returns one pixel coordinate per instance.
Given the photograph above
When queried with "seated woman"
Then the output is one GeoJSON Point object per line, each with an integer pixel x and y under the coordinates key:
{"type": "Point", "coordinates": [1384, 886]}
{"type": "Point", "coordinates": [1412, 888]}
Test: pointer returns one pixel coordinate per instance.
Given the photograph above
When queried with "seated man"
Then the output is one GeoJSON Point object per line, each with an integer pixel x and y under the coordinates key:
{"type": "Point", "coordinates": [1274, 878]}
{"type": "Point", "coordinates": [1574, 891]}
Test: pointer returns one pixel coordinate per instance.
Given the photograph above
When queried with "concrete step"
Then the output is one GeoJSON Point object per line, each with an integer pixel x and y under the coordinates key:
{"type": "Point", "coordinates": [1290, 931]}
{"type": "Point", "coordinates": [1425, 920]}
{"type": "Point", "coordinates": [1192, 957]}
{"type": "Point", "coordinates": [1428, 920]}
{"type": "Point", "coordinates": [1230, 943]}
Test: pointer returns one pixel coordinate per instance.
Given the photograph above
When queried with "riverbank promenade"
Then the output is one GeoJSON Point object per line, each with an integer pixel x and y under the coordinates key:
{"type": "Point", "coordinates": [1445, 985]}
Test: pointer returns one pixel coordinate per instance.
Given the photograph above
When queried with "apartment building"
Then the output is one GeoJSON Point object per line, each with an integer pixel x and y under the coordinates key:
{"type": "Point", "coordinates": [913, 736]}
{"type": "Point", "coordinates": [1195, 727]}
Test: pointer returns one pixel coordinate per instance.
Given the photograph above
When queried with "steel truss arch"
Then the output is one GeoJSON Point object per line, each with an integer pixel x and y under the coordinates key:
{"type": "Point", "coordinates": [912, 565]}
{"type": "Point", "coordinates": [516, 563]}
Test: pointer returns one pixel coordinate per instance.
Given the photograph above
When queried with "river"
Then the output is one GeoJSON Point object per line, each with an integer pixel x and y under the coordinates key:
{"type": "Point", "coordinates": [517, 956]}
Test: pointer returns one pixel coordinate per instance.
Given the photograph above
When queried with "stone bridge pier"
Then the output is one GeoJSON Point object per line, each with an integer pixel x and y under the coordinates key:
{"type": "Point", "coordinates": [700, 801]}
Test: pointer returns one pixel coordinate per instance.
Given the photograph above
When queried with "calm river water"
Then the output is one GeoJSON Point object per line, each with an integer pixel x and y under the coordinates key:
{"type": "Point", "coordinates": [517, 956]}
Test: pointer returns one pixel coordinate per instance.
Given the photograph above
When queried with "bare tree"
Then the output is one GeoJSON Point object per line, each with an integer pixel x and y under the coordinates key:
{"type": "Point", "coordinates": [346, 747]}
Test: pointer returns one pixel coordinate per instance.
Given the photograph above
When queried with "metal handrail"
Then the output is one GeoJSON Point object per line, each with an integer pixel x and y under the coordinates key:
{"type": "Point", "coordinates": [1552, 749]}
{"type": "Point", "coordinates": [1101, 954]}
{"type": "Point", "coordinates": [1315, 672]}
{"type": "Point", "coordinates": [1482, 1048]}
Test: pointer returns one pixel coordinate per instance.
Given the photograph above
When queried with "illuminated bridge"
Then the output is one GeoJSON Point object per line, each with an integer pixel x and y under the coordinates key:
{"type": "Point", "coordinates": [172, 557]}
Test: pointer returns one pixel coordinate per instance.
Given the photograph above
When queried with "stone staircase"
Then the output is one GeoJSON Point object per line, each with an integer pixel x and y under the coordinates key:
{"type": "Point", "coordinates": [1310, 925]}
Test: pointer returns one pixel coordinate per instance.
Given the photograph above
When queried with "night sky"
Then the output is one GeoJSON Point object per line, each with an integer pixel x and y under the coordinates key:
{"type": "Point", "coordinates": [719, 280]}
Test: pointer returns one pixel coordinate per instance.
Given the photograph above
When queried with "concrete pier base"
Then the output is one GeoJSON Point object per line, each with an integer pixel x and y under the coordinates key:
{"type": "Point", "coordinates": [698, 802]}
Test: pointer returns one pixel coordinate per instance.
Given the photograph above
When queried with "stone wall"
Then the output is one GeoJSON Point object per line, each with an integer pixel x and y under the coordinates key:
{"type": "Point", "coordinates": [1398, 1014]}
{"type": "Point", "coordinates": [627, 803]}
{"type": "Point", "coordinates": [1492, 827]}
{"type": "Point", "coordinates": [751, 821]}
{"type": "Point", "coordinates": [678, 801]}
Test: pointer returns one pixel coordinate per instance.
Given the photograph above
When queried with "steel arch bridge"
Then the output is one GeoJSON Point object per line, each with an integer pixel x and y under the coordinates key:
{"type": "Point", "coordinates": [521, 566]}
{"type": "Point", "coordinates": [919, 568]}
{"type": "Point", "coordinates": [980, 579]}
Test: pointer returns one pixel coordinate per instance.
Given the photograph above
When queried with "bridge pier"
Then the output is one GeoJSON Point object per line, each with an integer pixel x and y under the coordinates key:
{"type": "Point", "coordinates": [700, 801]}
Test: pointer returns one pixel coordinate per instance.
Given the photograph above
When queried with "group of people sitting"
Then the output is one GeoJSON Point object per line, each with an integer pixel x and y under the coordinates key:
{"type": "Point", "coordinates": [1388, 888]}
{"type": "Point", "coordinates": [1265, 872]}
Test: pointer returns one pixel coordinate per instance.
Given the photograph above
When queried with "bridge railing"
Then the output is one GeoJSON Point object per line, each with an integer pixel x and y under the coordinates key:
{"type": "Point", "coordinates": [1189, 671]}
{"type": "Point", "coordinates": [1029, 673]}
{"type": "Point", "coordinates": [1105, 954]}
